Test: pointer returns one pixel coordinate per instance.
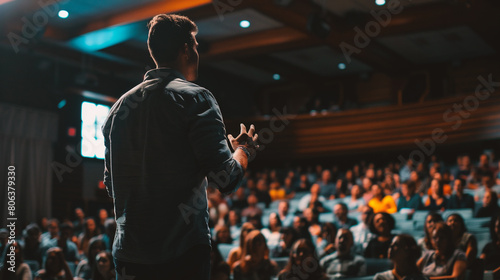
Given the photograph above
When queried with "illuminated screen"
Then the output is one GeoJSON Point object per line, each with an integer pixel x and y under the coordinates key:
{"type": "Point", "coordinates": [93, 117]}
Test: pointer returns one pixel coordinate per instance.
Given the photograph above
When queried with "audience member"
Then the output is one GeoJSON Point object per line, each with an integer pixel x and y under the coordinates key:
{"type": "Point", "coordinates": [328, 189]}
{"type": "Point", "coordinates": [312, 218]}
{"type": "Point", "coordinates": [284, 213]}
{"type": "Point", "coordinates": [235, 253]}
{"type": "Point", "coordinates": [55, 268]}
{"type": "Point", "coordinates": [219, 269]}
{"type": "Point", "coordinates": [314, 197]}
{"type": "Point", "coordinates": [104, 267]}
{"type": "Point", "coordinates": [84, 267]}
{"type": "Point", "coordinates": [252, 208]}
{"type": "Point", "coordinates": [325, 243]}
{"type": "Point", "coordinates": [490, 205]}
{"type": "Point", "coordinates": [341, 219]}
{"type": "Point", "coordinates": [409, 199]}
{"type": "Point", "coordinates": [436, 200]}
{"type": "Point", "coordinates": [89, 230]}
{"type": "Point", "coordinates": [272, 232]}
{"type": "Point", "coordinates": [288, 237]}
{"type": "Point", "coordinates": [462, 240]}
{"type": "Point", "coordinates": [303, 263]}
{"type": "Point", "coordinates": [404, 254]}
{"type": "Point", "coordinates": [32, 243]}
{"type": "Point", "coordinates": [381, 225]}
{"type": "Point", "coordinates": [18, 270]}
{"type": "Point", "coordinates": [381, 202]}
{"type": "Point", "coordinates": [343, 263]}
{"type": "Point", "coordinates": [444, 262]}
{"type": "Point", "coordinates": [491, 252]}
{"type": "Point", "coordinates": [64, 243]}
{"type": "Point", "coordinates": [79, 221]}
{"type": "Point", "coordinates": [361, 232]}
{"type": "Point", "coordinates": [355, 200]}
{"type": "Point", "coordinates": [431, 219]}
{"type": "Point", "coordinates": [254, 262]}
{"type": "Point", "coordinates": [460, 200]}
{"type": "Point", "coordinates": [53, 231]}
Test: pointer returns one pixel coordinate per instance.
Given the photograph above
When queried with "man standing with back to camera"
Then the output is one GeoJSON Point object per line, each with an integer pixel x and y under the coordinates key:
{"type": "Point", "coordinates": [165, 142]}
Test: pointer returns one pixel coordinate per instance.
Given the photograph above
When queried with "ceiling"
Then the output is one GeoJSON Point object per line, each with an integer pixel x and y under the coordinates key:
{"type": "Point", "coordinates": [280, 40]}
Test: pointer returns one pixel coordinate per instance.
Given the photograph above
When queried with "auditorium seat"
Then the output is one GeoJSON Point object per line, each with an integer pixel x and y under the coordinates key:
{"type": "Point", "coordinates": [225, 249]}
{"type": "Point", "coordinates": [374, 266]}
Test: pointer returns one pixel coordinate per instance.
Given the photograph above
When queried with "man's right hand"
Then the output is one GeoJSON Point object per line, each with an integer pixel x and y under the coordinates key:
{"type": "Point", "coordinates": [245, 139]}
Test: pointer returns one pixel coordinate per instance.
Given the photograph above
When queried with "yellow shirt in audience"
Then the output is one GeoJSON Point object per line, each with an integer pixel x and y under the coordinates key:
{"type": "Point", "coordinates": [277, 194]}
{"type": "Point", "coordinates": [387, 205]}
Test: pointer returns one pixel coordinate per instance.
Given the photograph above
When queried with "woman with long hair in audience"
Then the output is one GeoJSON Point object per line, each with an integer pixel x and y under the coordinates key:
{"type": "Point", "coordinates": [404, 254]}
{"type": "Point", "coordinates": [219, 269]}
{"type": "Point", "coordinates": [381, 202]}
{"type": "Point", "coordinates": [84, 268]}
{"type": "Point", "coordinates": [288, 237]}
{"type": "Point", "coordinates": [56, 267]}
{"type": "Point", "coordinates": [104, 267]}
{"type": "Point", "coordinates": [490, 205]}
{"type": "Point", "coordinates": [303, 263]}
{"type": "Point", "coordinates": [325, 243]}
{"type": "Point", "coordinates": [18, 270]}
{"type": "Point", "coordinates": [235, 253]}
{"type": "Point", "coordinates": [381, 225]}
{"type": "Point", "coordinates": [272, 232]}
{"type": "Point", "coordinates": [431, 219]}
{"type": "Point", "coordinates": [254, 262]}
{"type": "Point", "coordinates": [491, 252]}
{"type": "Point", "coordinates": [90, 230]}
{"type": "Point", "coordinates": [444, 262]}
{"type": "Point", "coordinates": [436, 200]}
{"type": "Point", "coordinates": [223, 235]}
{"type": "Point", "coordinates": [464, 241]}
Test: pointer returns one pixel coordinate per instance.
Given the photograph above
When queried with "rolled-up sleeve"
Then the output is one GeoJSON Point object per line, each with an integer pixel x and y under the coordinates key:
{"type": "Point", "coordinates": [207, 137]}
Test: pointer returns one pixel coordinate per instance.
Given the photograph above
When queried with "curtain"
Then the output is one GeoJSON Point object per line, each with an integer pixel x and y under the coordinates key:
{"type": "Point", "coordinates": [27, 138]}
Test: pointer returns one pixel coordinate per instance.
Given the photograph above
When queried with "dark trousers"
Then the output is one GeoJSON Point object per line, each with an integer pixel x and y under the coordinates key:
{"type": "Point", "coordinates": [192, 265]}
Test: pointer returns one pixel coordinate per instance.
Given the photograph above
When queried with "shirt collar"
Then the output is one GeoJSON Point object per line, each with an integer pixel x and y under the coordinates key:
{"type": "Point", "coordinates": [162, 72]}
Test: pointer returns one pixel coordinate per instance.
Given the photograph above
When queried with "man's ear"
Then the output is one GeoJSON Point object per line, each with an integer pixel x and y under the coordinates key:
{"type": "Point", "coordinates": [185, 50]}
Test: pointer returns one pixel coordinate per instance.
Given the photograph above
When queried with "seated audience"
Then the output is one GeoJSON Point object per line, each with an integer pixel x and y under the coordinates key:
{"type": "Point", "coordinates": [84, 268]}
{"type": "Point", "coordinates": [288, 237]}
{"type": "Point", "coordinates": [460, 200]}
{"type": "Point", "coordinates": [491, 252]}
{"type": "Point", "coordinates": [404, 254]}
{"type": "Point", "coordinates": [55, 267]}
{"type": "Point", "coordinates": [328, 189]}
{"type": "Point", "coordinates": [361, 232]}
{"type": "Point", "coordinates": [18, 270]}
{"type": "Point", "coordinates": [325, 243]}
{"type": "Point", "coordinates": [80, 220]}
{"type": "Point", "coordinates": [32, 244]}
{"type": "Point", "coordinates": [355, 200]}
{"type": "Point", "coordinates": [312, 218]}
{"type": "Point", "coordinates": [490, 205]}
{"type": "Point", "coordinates": [254, 262]}
{"type": "Point", "coordinates": [64, 243]}
{"type": "Point", "coordinates": [409, 199]}
{"type": "Point", "coordinates": [381, 226]}
{"type": "Point", "coordinates": [272, 232]}
{"type": "Point", "coordinates": [444, 262]}
{"type": "Point", "coordinates": [343, 263]}
{"type": "Point", "coordinates": [284, 213]}
{"type": "Point", "coordinates": [341, 219]}
{"type": "Point", "coordinates": [90, 230]}
{"type": "Point", "coordinates": [234, 222]}
{"type": "Point", "coordinates": [219, 269]}
{"type": "Point", "coordinates": [102, 217]}
{"type": "Point", "coordinates": [464, 241]}
{"type": "Point", "coordinates": [108, 236]}
{"type": "Point", "coordinates": [235, 253]}
{"type": "Point", "coordinates": [53, 230]}
{"type": "Point", "coordinates": [252, 208]}
{"type": "Point", "coordinates": [262, 192]}
{"type": "Point", "coordinates": [104, 267]}
{"type": "Point", "coordinates": [222, 235]}
{"type": "Point", "coordinates": [436, 200]}
{"type": "Point", "coordinates": [303, 263]}
{"type": "Point", "coordinates": [431, 219]}
{"type": "Point", "coordinates": [289, 187]}
{"type": "Point", "coordinates": [276, 191]}
{"type": "Point", "coordinates": [381, 202]}
{"type": "Point", "coordinates": [313, 196]}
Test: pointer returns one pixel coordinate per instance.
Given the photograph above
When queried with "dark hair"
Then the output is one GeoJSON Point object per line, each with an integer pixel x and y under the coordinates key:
{"type": "Point", "coordinates": [457, 216]}
{"type": "Point", "coordinates": [331, 230]}
{"type": "Point", "coordinates": [427, 238]}
{"type": "Point", "coordinates": [94, 242]}
{"type": "Point", "coordinates": [493, 235]}
{"type": "Point", "coordinates": [95, 273]}
{"type": "Point", "coordinates": [391, 223]}
{"type": "Point", "coordinates": [447, 232]}
{"type": "Point", "coordinates": [408, 243]}
{"type": "Point", "coordinates": [494, 199]}
{"type": "Point", "coordinates": [245, 229]}
{"type": "Point", "coordinates": [293, 232]}
{"type": "Point", "coordinates": [253, 238]}
{"type": "Point", "coordinates": [167, 35]}
{"type": "Point", "coordinates": [343, 205]}
{"type": "Point", "coordinates": [280, 223]}
{"type": "Point", "coordinates": [440, 190]}
{"type": "Point", "coordinates": [289, 273]}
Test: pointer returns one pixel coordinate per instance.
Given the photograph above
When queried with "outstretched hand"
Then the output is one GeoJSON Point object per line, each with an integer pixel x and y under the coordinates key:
{"type": "Point", "coordinates": [246, 139]}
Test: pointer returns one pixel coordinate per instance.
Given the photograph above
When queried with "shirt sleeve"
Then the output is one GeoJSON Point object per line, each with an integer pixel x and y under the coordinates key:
{"type": "Point", "coordinates": [107, 169]}
{"type": "Point", "coordinates": [207, 137]}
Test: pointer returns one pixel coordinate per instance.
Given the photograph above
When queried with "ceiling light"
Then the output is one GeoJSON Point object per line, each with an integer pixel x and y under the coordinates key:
{"type": "Point", "coordinates": [342, 66]}
{"type": "Point", "coordinates": [276, 77]}
{"type": "Point", "coordinates": [63, 14]}
{"type": "Point", "coordinates": [380, 2]}
{"type": "Point", "coordinates": [244, 24]}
